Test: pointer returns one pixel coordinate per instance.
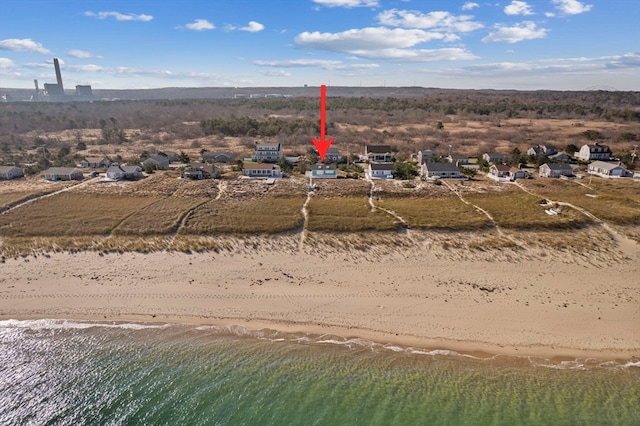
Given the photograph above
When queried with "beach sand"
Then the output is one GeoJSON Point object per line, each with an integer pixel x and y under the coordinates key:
{"type": "Point", "coordinates": [552, 305]}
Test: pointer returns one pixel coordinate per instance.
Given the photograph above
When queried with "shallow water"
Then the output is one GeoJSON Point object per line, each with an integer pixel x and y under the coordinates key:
{"type": "Point", "coordinates": [65, 372]}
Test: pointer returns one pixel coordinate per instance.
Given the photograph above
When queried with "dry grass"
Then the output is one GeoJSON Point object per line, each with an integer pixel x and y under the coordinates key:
{"type": "Point", "coordinates": [436, 213]}
{"type": "Point", "coordinates": [350, 214]}
{"type": "Point", "coordinates": [613, 200]}
{"type": "Point", "coordinates": [70, 214]}
{"type": "Point", "coordinates": [263, 216]}
{"type": "Point", "coordinates": [515, 209]}
{"type": "Point", "coordinates": [160, 218]}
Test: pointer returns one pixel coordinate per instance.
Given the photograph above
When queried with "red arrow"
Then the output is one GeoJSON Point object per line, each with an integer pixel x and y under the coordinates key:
{"type": "Point", "coordinates": [322, 145]}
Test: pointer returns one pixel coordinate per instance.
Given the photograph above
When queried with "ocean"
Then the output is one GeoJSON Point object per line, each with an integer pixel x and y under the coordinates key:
{"type": "Point", "coordinates": [57, 372]}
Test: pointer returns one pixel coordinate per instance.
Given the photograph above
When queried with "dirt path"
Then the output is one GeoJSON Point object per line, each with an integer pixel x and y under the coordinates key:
{"type": "Point", "coordinates": [628, 246]}
{"type": "Point", "coordinates": [182, 221]}
{"type": "Point", "coordinates": [49, 194]}
{"type": "Point", "coordinates": [305, 216]}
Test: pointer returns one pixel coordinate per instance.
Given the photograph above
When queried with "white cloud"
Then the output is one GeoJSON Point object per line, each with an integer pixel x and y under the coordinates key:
{"type": "Point", "coordinates": [470, 5]}
{"type": "Point", "coordinates": [524, 31]}
{"type": "Point", "coordinates": [120, 16]}
{"type": "Point", "coordinates": [6, 63]}
{"type": "Point", "coordinates": [23, 45]}
{"type": "Point", "coordinates": [314, 63]}
{"type": "Point", "coordinates": [365, 39]}
{"type": "Point", "coordinates": [417, 55]}
{"type": "Point", "coordinates": [253, 27]}
{"type": "Point", "coordinates": [81, 54]}
{"type": "Point", "coordinates": [347, 3]}
{"type": "Point", "coordinates": [572, 7]}
{"type": "Point", "coordinates": [438, 20]}
{"type": "Point", "coordinates": [518, 8]}
{"type": "Point", "coordinates": [275, 73]}
{"type": "Point", "coordinates": [199, 25]}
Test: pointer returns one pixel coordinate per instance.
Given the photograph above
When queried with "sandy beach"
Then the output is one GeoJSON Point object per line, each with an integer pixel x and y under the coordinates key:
{"type": "Point", "coordinates": [556, 305]}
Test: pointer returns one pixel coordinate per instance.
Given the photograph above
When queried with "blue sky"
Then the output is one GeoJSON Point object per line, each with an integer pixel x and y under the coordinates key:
{"type": "Point", "coordinates": [125, 44]}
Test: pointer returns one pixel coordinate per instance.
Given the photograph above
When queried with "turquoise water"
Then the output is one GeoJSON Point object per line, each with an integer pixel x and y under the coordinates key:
{"type": "Point", "coordinates": [70, 373]}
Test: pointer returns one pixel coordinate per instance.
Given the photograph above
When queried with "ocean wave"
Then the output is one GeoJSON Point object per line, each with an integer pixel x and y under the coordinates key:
{"type": "Point", "coordinates": [57, 324]}
{"type": "Point", "coordinates": [277, 336]}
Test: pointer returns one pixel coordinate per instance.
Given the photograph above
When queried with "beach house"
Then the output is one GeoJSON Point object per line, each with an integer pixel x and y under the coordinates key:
{"type": "Point", "coordinates": [608, 169]}
{"type": "Point", "coordinates": [323, 171]}
{"type": "Point", "coordinates": [595, 151]}
{"type": "Point", "coordinates": [378, 153]}
{"type": "Point", "coordinates": [440, 171]}
{"type": "Point", "coordinates": [268, 152]}
{"type": "Point", "coordinates": [10, 172]}
{"type": "Point", "coordinates": [555, 170]}
{"type": "Point", "coordinates": [62, 173]}
{"type": "Point", "coordinates": [121, 172]}
{"type": "Point", "coordinates": [380, 171]}
{"type": "Point", "coordinates": [261, 170]}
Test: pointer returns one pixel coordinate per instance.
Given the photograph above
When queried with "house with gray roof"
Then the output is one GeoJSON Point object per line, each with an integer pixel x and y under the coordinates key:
{"type": "Point", "coordinates": [555, 170]}
{"type": "Point", "coordinates": [440, 171]}
{"type": "Point", "coordinates": [10, 172]}
{"type": "Point", "coordinates": [62, 173]}
{"type": "Point", "coordinates": [608, 169]}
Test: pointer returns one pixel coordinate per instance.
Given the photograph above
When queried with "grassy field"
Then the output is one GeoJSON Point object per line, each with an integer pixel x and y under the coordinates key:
{"type": "Point", "coordinates": [613, 200]}
{"type": "Point", "coordinates": [350, 214]}
{"type": "Point", "coordinates": [262, 216]}
{"type": "Point", "coordinates": [164, 213]}
{"type": "Point", "coordinates": [516, 209]}
{"type": "Point", "coordinates": [446, 214]}
{"type": "Point", "coordinates": [70, 214]}
{"type": "Point", "coordinates": [160, 218]}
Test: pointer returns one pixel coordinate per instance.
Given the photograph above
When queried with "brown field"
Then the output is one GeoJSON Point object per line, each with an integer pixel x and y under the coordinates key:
{"type": "Point", "coordinates": [263, 216]}
{"type": "Point", "coordinates": [163, 212]}
{"type": "Point", "coordinates": [70, 214]}
{"type": "Point", "coordinates": [516, 209]}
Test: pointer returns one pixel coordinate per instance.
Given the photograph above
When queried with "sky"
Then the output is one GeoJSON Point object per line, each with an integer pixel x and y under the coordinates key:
{"type": "Point", "coordinates": [141, 44]}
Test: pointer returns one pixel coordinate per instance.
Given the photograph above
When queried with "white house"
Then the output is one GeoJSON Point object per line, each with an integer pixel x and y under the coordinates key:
{"type": "Point", "coordinates": [594, 152]}
{"type": "Point", "coordinates": [261, 170]}
{"type": "Point", "coordinates": [378, 153]}
{"type": "Point", "coordinates": [608, 169]}
{"type": "Point", "coordinates": [440, 171]}
{"type": "Point", "coordinates": [10, 172]}
{"type": "Point", "coordinates": [268, 152]}
{"type": "Point", "coordinates": [63, 173]}
{"type": "Point", "coordinates": [380, 171]}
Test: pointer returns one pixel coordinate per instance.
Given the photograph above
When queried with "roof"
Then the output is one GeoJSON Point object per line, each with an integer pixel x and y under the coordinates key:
{"type": "Point", "coordinates": [265, 144]}
{"type": "Point", "coordinates": [381, 166]}
{"type": "Point", "coordinates": [501, 167]}
{"type": "Point", "coordinates": [607, 165]}
{"type": "Point", "coordinates": [61, 171]}
{"type": "Point", "coordinates": [258, 166]}
{"type": "Point", "coordinates": [596, 147]}
{"type": "Point", "coordinates": [323, 167]}
{"type": "Point", "coordinates": [157, 159]}
{"type": "Point", "coordinates": [378, 149]}
{"type": "Point", "coordinates": [559, 166]}
{"type": "Point", "coordinates": [333, 150]}
{"type": "Point", "coordinates": [441, 167]}
{"type": "Point", "coordinates": [5, 169]}
{"type": "Point", "coordinates": [94, 159]}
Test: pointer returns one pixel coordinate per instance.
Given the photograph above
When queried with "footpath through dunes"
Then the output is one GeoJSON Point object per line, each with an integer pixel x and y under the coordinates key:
{"type": "Point", "coordinates": [477, 218]}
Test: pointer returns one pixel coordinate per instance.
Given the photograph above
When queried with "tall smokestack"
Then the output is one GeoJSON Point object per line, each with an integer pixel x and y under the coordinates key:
{"type": "Point", "coordinates": [36, 83]}
{"type": "Point", "coordinates": [58, 74]}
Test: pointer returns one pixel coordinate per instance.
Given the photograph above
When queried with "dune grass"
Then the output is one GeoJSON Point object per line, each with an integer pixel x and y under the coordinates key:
{"type": "Point", "coordinates": [347, 214]}
{"type": "Point", "coordinates": [436, 213]}
{"type": "Point", "coordinates": [160, 218]}
{"type": "Point", "coordinates": [613, 200]}
{"type": "Point", "coordinates": [259, 216]}
{"type": "Point", "coordinates": [70, 214]}
{"type": "Point", "coordinates": [519, 210]}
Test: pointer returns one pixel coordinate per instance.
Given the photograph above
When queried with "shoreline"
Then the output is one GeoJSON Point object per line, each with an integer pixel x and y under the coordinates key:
{"type": "Point", "coordinates": [475, 349]}
{"type": "Point", "coordinates": [555, 307]}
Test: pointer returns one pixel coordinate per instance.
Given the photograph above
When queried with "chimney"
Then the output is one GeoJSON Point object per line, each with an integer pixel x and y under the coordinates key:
{"type": "Point", "coordinates": [56, 64]}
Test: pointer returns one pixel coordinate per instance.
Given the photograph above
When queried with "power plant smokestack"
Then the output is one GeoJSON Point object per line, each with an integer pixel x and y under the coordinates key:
{"type": "Point", "coordinates": [58, 74]}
